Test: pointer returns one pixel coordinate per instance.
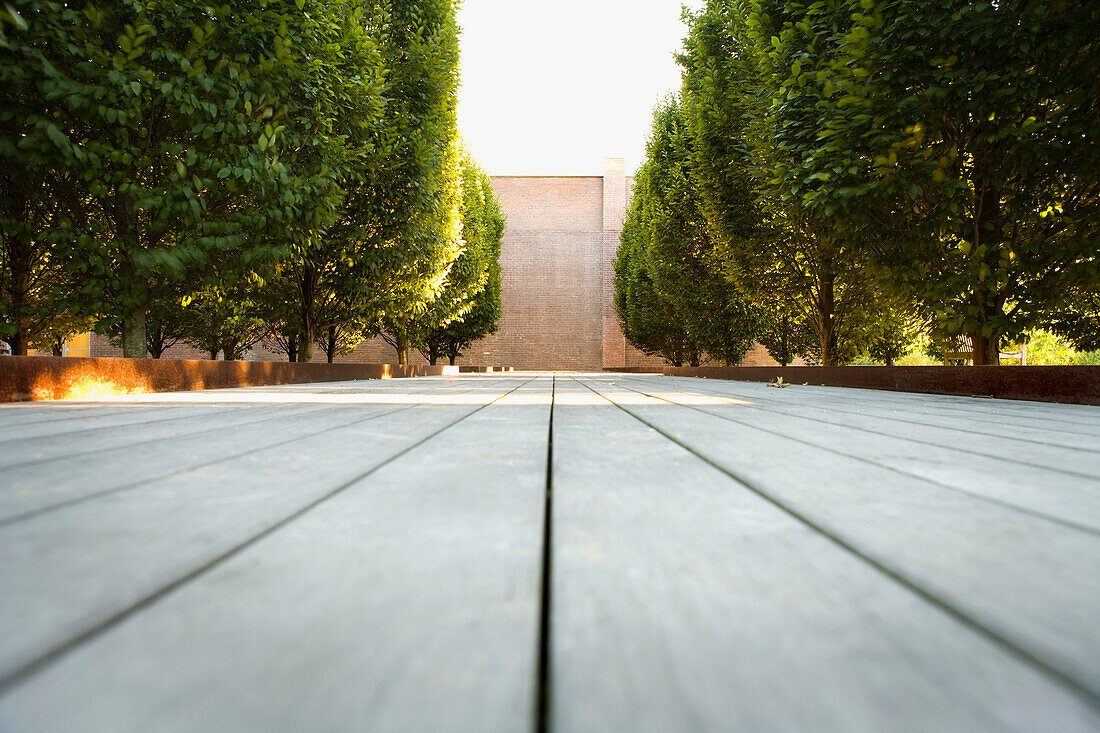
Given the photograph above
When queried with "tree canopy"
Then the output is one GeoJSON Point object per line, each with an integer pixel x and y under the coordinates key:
{"type": "Point", "coordinates": [217, 173]}
{"type": "Point", "coordinates": [872, 170]}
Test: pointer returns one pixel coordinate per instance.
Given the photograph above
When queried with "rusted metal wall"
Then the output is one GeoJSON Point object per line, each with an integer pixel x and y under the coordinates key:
{"type": "Point", "coordinates": [48, 378]}
{"type": "Point", "coordinates": [1070, 384]}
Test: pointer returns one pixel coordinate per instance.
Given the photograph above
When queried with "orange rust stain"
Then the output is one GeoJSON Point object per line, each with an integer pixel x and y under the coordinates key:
{"type": "Point", "coordinates": [80, 386]}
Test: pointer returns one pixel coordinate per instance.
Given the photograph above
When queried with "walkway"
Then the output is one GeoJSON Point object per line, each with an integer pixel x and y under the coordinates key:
{"type": "Point", "coordinates": [378, 556]}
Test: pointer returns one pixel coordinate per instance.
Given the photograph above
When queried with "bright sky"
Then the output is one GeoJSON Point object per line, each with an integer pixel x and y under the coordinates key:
{"type": "Point", "coordinates": [553, 87]}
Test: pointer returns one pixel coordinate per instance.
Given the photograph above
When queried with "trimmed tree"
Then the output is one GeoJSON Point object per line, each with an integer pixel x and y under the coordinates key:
{"type": "Point", "coordinates": [469, 306]}
{"type": "Point", "coordinates": [963, 135]}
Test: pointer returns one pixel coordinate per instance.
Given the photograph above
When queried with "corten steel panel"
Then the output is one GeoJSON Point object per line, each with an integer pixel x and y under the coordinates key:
{"type": "Point", "coordinates": [48, 377]}
{"type": "Point", "coordinates": [1069, 384]}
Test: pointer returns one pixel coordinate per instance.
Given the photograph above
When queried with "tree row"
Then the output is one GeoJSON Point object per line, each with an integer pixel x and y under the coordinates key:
{"type": "Point", "coordinates": [225, 173]}
{"type": "Point", "coordinates": [846, 179]}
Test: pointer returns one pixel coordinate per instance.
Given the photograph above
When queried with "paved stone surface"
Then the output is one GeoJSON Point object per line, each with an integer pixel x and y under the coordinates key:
{"type": "Point", "coordinates": [573, 552]}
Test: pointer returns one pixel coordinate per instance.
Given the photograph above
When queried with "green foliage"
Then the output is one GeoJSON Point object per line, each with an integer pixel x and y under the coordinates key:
{"type": "Point", "coordinates": [224, 318]}
{"type": "Point", "coordinates": [1045, 349]}
{"type": "Point", "coordinates": [678, 250]}
{"type": "Point", "coordinates": [959, 133]}
{"type": "Point", "coordinates": [160, 129]}
{"type": "Point", "coordinates": [414, 200]}
{"type": "Point", "coordinates": [1077, 318]}
{"type": "Point", "coordinates": [648, 321]}
{"type": "Point", "coordinates": [783, 256]}
{"type": "Point", "coordinates": [468, 307]}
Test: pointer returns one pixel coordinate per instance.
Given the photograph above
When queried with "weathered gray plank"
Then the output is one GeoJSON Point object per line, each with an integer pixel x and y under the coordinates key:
{"type": "Point", "coordinates": [1056, 482]}
{"type": "Point", "coordinates": [91, 419]}
{"type": "Point", "coordinates": [72, 569]}
{"type": "Point", "coordinates": [44, 449]}
{"type": "Point", "coordinates": [407, 602]}
{"type": "Point", "coordinates": [214, 410]}
{"type": "Point", "coordinates": [683, 601]}
{"type": "Point", "coordinates": [1032, 582]}
{"type": "Point", "coordinates": [36, 487]}
{"type": "Point", "coordinates": [944, 423]}
{"type": "Point", "coordinates": [1019, 412]}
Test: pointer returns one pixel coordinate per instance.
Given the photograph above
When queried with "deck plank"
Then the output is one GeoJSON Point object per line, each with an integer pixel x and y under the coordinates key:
{"type": "Point", "coordinates": [407, 602]}
{"type": "Point", "coordinates": [1057, 482]}
{"type": "Point", "coordinates": [70, 570]}
{"type": "Point", "coordinates": [1033, 582]}
{"type": "Point", "coordinates": [37, 487]}
{"type": "Point", "coordinates": [683, 601]}
{"type": "Point", "coordinates": [369, 556]}
{"type": "Point", "coordinates": [891, 415]}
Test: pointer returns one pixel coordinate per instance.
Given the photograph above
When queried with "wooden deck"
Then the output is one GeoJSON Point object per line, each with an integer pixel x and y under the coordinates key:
{"type": "Point", "coordinates": [549, 552]}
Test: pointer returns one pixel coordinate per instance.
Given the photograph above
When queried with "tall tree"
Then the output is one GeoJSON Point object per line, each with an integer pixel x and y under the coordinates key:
{"type": "Point", "coordinates": [648, 321]}
{"type": "Point", "coordinates": [679, 247]}
{"type": "Point", "coordinates": [413, 201]}
{"type": "Point", "coordinates": [784, 256]}
{"type": "Point", "coordinates": [963, 134]}
{"type": "Point", "coordinates": [469, 305]}
{"type": "Point", "coordinates": [164, 118]}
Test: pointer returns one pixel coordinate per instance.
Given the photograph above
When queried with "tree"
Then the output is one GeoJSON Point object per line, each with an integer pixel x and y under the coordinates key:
{"type": "Point", "coordinates": [325, 280]}
{"type": "Point", "coordinates": [648, 321]}
{"type": "Point", "coordinates": [225, 318]}
{"type": "Point", "coordinates": [167, 321]}
{"type": "Point", "coordinates": [784, 256]}
{"type": "Point", "coordinates": [414, 200]}
{"type": "Point", "coordinates": [469, 306]}
{"type": "Point", "coordinates": [164, 117]}
{"type": "Point", "coordinates": [963, 134]}
{"type": "Point", "coordinates": [1076, 318]}
{"type": "Point", "coordinates": [784, 332]}
{"type": "Point", "coordinates": [680, 250]}
{"type": "Point", "coordinates": [340, 339]}
{"type": "Point", "coordinates": [34, 188]}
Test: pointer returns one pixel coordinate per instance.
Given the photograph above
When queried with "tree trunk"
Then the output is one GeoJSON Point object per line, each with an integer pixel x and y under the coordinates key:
{"type": "Point", "coordinates": [292, 350]}
{"type": "Point", "coordinates": [402, 347]}
{"type": "Point", "coordinates": [58, 347]}
{"type": "Point", "coordinates": [133, 334]}
{"type": "Point", "coordinates": [330, 344]}
{"type": "Point", "coordinates": [214, 353]}
{"type": "Point", "coordinates": [305, 341]}
{"type": "Point", "coordinates": [307, 286]}
{"type": "Point", "coordinates": [451, 359]}
{"type": "Point", "coordinates": [826, 321]}
{"type": "Point", "coordinates": [18, 344]}
{"type": "Point", "coordinates": [987, 351]}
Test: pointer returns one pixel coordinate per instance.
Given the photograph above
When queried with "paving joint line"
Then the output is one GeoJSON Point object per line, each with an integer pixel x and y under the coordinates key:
{"type": "Point", "coordinates": [908, 422]}
{"type": "Point", "coordinates": [179, 472]}
{"type": "Point", "coordinates": [1069, 524]}
{"type": "Point", "coordinates": [20, 675]}
{"type": "Point", "coordinates": [1067, 472]}
{"type": "Point", "coordinates": [1091, 697]}
{"type": "Point", "coordinates": [542, 705]}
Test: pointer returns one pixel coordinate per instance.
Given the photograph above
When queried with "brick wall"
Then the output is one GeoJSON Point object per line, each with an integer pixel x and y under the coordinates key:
{"type": "Point", "coordinates": [557, 272]}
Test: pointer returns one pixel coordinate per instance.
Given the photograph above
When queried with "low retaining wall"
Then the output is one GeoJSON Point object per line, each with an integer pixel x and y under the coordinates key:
{"type": "Point", "coordinates": [56, 378]}
{"type": "Point", "coordinates": [1070, 384]}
